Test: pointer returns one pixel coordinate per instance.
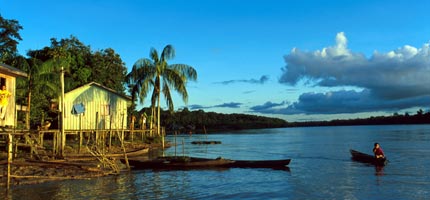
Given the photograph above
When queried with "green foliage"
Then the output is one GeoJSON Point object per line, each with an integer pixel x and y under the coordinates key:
{"type": "Point", "coordinates": [200, 121]}
{"type": "Point", "coordinates": [157, 75]}
{"type": "Point", "coordinates": [9, 38]}
{"type": "Point", "coordinates": [81, 66]}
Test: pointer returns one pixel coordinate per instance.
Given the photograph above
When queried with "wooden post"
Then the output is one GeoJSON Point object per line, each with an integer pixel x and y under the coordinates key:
{"type": "Point", "coordinates": [41, 137]}
{"type": "Point", "coordinates": [175, 142]}
{"type": "Point", "coordinates": [110, 131]}
{"type": "Point", "coordinates": [122, 126]}
{"type": "Point", "coordinates": [62, 134]}
{"type": "Point", "coordinates": [133, 118]}
{"type": "Point", "coordinates": [9, 158]}
{"type": "Point", "coordinates": [122, 143]}
{"type": "Point", "coordinates": [162, 137]}
{"type": "Point", "coordinates": [96, 128]}
{"type": "Point", "coordinates": [183, 147]}
{"type": "Point", "coordinates": [204, 128]}
{"type": "Point", "coordinates": [54, 143]}
{"type": "Point", "coordinates": [80, 133]}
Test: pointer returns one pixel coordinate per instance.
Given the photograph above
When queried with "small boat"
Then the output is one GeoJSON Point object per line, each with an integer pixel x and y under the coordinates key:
{"type": "Point", "coordinates": [178, 163]}
{"type": "Point", "coordinates": [366, 158]}
{"type": "Point", "coordinates": [274, 164]}
{"type": "Point", "coordinates": [206, 142]}
{"type": "Point", "coordinates": [186, 163]}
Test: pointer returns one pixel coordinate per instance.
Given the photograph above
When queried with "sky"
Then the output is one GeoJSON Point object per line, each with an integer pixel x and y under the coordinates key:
{"type": "Point", "coordinates": [299, 60]}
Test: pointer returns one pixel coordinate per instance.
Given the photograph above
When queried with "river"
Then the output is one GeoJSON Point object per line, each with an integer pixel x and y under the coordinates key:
{"type": "Point", "coordinates": [321, 168]}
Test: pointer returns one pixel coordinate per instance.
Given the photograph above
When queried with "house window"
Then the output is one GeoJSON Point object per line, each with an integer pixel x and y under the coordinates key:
{"type": "Point", "coordinates": [105, 109]}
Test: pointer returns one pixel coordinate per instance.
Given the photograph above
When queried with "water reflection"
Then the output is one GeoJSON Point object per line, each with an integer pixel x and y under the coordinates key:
{"type": "Point", "coordinates": [379, 170]}
{"type": "Point", "coordinates": [320, 161]}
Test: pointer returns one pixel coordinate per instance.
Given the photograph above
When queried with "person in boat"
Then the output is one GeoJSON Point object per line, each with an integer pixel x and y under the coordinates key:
{"type": "Point", "coordinates": [377, 150]}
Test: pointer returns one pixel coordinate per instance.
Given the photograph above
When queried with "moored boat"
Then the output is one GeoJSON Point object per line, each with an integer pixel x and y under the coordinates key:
{"type": "Point", "coordinates": [366, 158]}
{"type": "Point", "coordinates": [260, 163]}
{"type": "Point", "coordinates": [206, 142]}
{"type": "Point", "coordinates": [185, 163]}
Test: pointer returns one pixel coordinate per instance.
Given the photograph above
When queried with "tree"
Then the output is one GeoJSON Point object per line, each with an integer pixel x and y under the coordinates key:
{"type": "Point", "coordinates": [81, 66]}
{"type": "Point", "coordinates": [157, 74]}
{"type": "Point", "coordinates": [420, 112]}
{"type": "Point", "coordinates": [103, 63]}
{"type": "Point", "coordinates": [9, 37]}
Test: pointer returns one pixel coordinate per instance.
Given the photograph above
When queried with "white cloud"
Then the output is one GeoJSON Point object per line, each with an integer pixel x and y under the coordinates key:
{"type": "Point", "coordinates": [398, 74]}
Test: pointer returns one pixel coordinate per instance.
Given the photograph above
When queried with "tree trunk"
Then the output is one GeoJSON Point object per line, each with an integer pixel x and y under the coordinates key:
{"type": "Point", "coordinates": [27, 113]}
{"type": "Point", "coordinates": [158, 115]}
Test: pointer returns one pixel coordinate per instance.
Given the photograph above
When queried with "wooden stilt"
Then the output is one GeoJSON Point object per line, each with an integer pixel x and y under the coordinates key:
{"type": "Point", "coordinates": [9, 158]}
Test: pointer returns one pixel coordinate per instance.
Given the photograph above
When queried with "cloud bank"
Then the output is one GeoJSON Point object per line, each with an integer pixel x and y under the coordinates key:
{"type": "Point", "coordinates": [340, 102]}
{"type": "Point", "coordinates": [399, 79]}
{"type": "Point", "coordinates": [398, 74]}
{"type": "Point", "coordinates": [224, 105]}
{"type": "Point", "coordinates": [263, 79]}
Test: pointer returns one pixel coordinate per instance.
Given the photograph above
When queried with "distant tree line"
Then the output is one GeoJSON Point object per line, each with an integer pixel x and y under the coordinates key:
{"type": "Point", "coordinates": [199, 121]}
{"type": "Point", "coordinates": [419, 118]}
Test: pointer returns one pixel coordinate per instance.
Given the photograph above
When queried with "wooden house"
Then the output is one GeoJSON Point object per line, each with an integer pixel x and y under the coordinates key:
{"type": "Point", "coordinates": [94, 106]}
{"type": "Point", "coordinates": [8, 75]}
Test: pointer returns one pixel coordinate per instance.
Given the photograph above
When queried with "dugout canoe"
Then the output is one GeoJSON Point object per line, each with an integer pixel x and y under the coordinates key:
{"type": "Point", "coordinates": [260, 163]}
{"type": "Point", "coordinates": [187, 163]}
{"type": "Point", "coordinates": [366, 158]}
{"type": "Point", "coordinates": [206, 142]}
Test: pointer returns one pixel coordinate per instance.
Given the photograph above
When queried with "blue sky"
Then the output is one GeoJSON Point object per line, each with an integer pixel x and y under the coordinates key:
{"type": "Point", "coordinates": [297, 60]}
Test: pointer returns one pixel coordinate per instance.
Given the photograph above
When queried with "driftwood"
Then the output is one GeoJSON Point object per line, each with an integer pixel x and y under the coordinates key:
{"type": "Point", "coordinates": [104, 160]}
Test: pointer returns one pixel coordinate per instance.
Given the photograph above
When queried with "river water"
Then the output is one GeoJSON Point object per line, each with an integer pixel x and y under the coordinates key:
{"type": "Point", "coordinates": [321, 168]}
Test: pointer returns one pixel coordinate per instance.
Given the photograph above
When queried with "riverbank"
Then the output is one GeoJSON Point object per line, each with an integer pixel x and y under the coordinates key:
{"type": "Point", "coordinates": [27, 170]}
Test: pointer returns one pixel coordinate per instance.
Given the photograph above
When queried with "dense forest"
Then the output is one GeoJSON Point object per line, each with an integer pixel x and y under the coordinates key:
{"type": "Point", "coordinates": [185, 121]}
{"type": "Point", "coordinates": [199, 121]}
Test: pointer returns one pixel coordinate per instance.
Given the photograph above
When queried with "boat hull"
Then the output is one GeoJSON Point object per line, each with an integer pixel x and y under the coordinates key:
{"type": "Point", "coordinates": [186, 163]}
{"type": "Point", "coordinates": [366, 158]}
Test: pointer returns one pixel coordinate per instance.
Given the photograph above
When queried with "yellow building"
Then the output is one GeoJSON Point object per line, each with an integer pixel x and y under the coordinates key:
{"type": "Point", "coordinates": [8, 75]}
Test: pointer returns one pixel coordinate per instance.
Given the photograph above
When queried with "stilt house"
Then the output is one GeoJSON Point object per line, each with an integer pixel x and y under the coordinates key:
{"type": "Point", "coordinates": [94, 106]}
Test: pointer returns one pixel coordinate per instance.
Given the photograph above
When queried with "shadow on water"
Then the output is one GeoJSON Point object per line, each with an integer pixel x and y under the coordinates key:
{"type": "Point", "coordinates": [379, 169]}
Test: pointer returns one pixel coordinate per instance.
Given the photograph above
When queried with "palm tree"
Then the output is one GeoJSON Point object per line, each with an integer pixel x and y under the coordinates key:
{"type": "Point", "coordinates": [158, 75]}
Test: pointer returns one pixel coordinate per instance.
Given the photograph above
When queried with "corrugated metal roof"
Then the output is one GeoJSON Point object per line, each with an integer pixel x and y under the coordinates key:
{"type": "Point", "coordinates": [12, 71]}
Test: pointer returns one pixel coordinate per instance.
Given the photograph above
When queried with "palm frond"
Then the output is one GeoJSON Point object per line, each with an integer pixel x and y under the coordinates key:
{"type": "Point", "coordinates": [168, 53]}
{"type": "Point", "coordinates": [154, 55]}
{"type": "Point", "coordinates": [189, 72]}
{"type": "Point", "coordinates": [168, 96]}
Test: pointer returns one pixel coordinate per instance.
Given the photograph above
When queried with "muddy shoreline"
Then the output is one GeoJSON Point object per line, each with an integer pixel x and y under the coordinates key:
{"type": "Point", "coordinates": [27, 170]}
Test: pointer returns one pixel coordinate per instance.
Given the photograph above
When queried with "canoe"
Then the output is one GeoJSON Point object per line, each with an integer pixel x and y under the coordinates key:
{"type": "Point", "coordinates": [366, 158]}
{"type": "Point", "coordinates": [186, 163]}
{"type": "Point", "coordinates": [260, 163]}
{"type": "Point", "coordinates": [206, 142]}
{"type": "Point", "coordinates": [178, 163]}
